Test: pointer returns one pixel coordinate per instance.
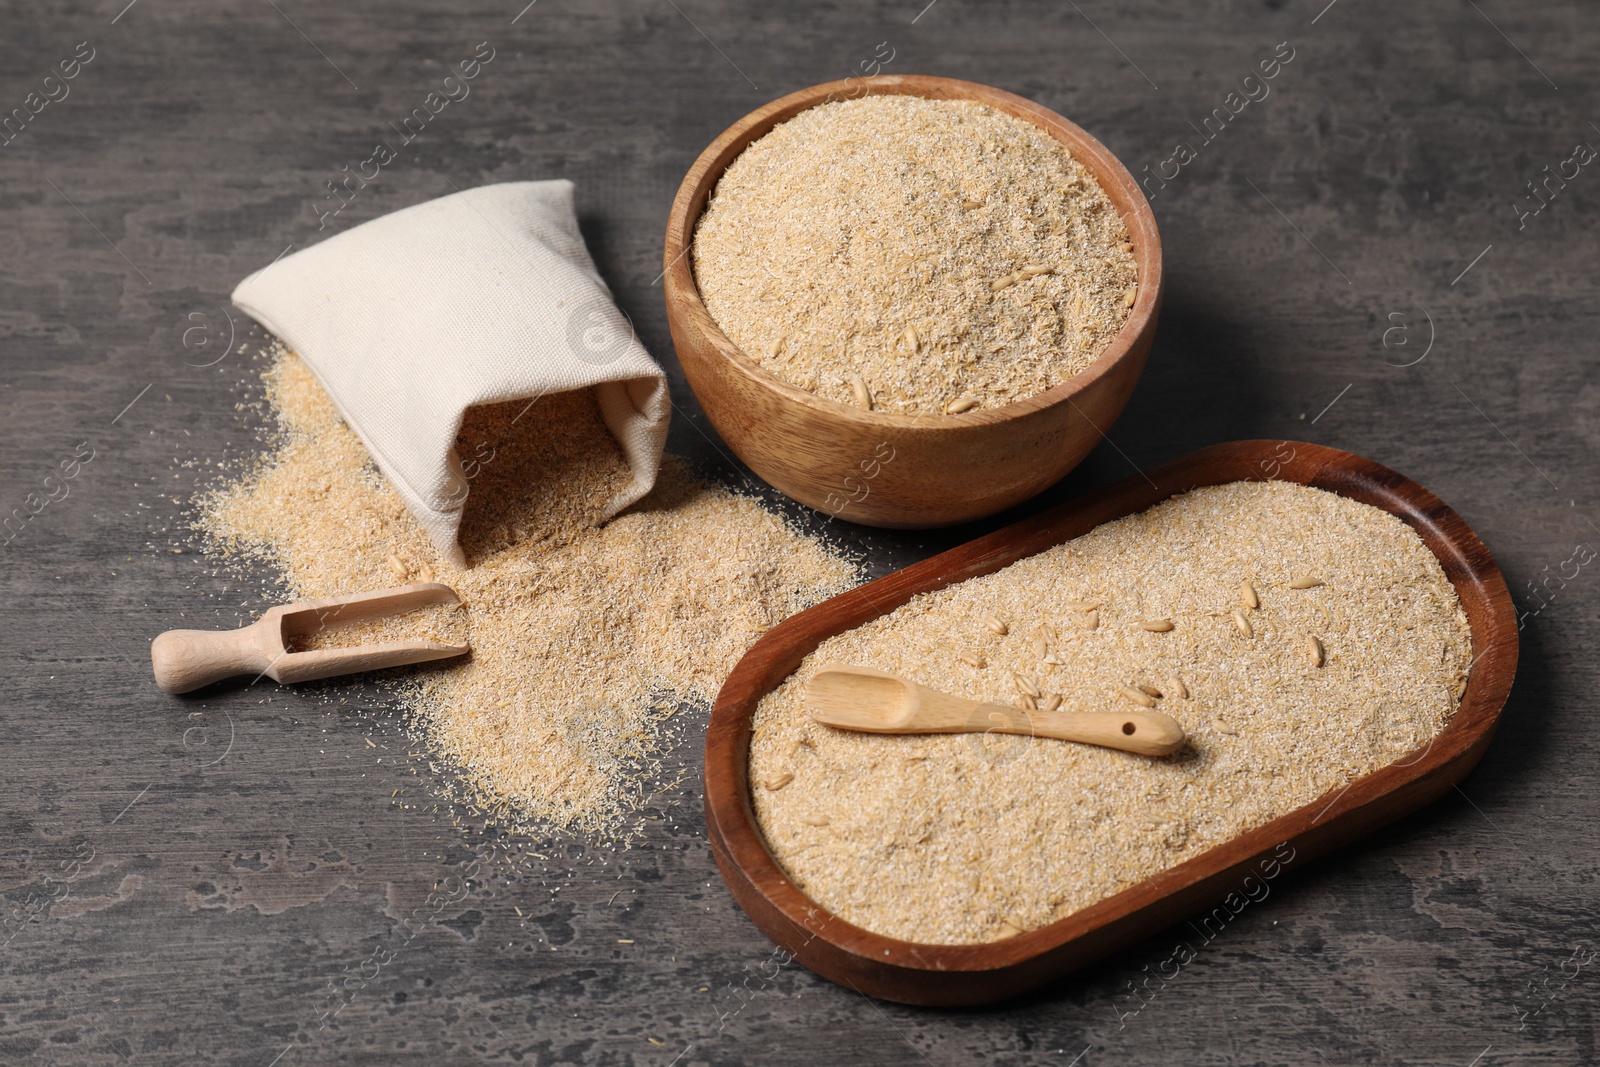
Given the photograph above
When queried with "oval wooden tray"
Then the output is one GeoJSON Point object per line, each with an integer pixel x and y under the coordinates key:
{"type": "Point", "coordinates": [975, 974]}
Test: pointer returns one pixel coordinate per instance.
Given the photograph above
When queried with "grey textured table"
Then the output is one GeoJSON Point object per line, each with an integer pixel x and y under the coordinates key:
{"type": "Point", "coordinates": [1356, 260]}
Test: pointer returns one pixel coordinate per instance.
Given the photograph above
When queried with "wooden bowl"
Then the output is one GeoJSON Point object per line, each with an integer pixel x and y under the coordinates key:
{"type": "Point", "coordinates": [974, 974]}
{"type": "Point", "coordinates": [886, 468]}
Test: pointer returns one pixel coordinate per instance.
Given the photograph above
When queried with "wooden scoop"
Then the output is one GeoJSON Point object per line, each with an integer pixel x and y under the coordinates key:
{"type": "Point", "coordinates": [859, 698]}
{"type": "Point", "coordinates": [188, 659]}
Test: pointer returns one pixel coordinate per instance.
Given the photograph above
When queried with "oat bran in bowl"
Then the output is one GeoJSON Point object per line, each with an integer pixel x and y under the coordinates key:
{"type": "Point", "coordinates": [1334, 639]}
{"type": "Point", "coordinates": [920, 347]}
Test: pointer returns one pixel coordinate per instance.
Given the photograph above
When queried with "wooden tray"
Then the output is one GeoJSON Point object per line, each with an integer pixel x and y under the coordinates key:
{"type": "Point", "coordinates": [975, 974]}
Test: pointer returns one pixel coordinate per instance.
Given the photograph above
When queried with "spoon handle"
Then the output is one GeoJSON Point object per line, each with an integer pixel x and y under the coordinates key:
{"type": "Point", "coordinates": [185, 660]}
{"type": "Point", "coordinates": [1149, 733]}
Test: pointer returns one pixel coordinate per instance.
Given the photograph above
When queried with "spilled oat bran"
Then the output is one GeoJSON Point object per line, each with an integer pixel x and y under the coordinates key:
{"type": "Point", "coordinates": [585, 638]}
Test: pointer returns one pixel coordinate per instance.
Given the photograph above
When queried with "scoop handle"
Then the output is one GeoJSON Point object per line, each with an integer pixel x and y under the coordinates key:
{"type": "Point", "coordinates": [185, 660]}
{"type": "Point", "coordinates": [1149, 733]}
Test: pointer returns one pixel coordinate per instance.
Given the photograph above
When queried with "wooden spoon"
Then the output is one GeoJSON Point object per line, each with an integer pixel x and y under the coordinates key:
{"type": "Point", "coordinates": [188, 659]}
{"type": "Point", "coordinates": [859, 698]}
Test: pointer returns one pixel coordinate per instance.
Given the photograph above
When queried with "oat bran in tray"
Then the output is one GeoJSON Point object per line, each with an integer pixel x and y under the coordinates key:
{"type": "Point", "coordinates": [1301, 638]}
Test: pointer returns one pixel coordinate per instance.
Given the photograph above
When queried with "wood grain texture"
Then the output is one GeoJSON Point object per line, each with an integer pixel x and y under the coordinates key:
{"type": "Point", "coordinates": [860, 698]}
{"type": "Point", "coordinates": [979, 974]}
{"type": "Point", "coordinates": [263, 857]}
{"type": "Point", "coordinates": [886, 468]}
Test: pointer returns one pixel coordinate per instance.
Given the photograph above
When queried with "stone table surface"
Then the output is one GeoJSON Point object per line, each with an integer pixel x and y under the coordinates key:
{"type": "Point", "coordinates": [1358, 259]}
